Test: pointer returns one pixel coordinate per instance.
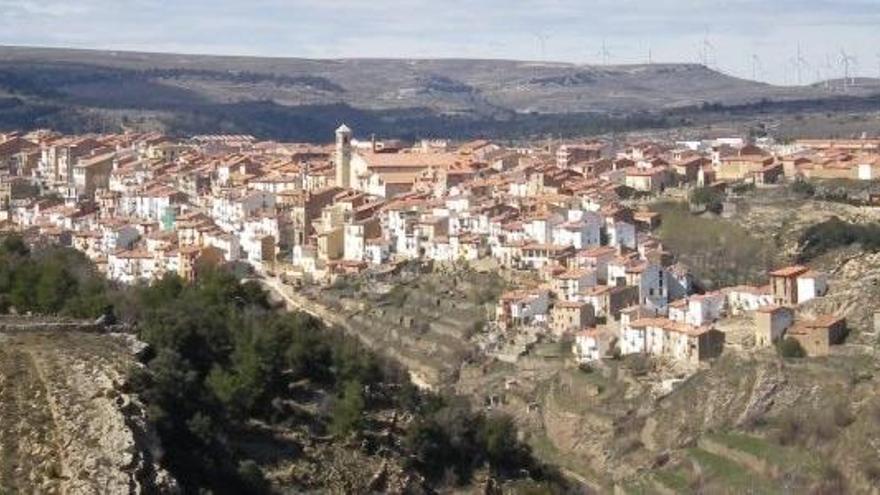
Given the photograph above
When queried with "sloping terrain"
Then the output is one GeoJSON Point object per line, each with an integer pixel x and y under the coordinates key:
{"type": "Point", "coordinates": [423, 321]}
{"type": "Point", "coordinates": [750, 424]}
{"type": "Point", "coordinates": [67, 422]}
{"type": "Point", "coordinates": [305, 99]}
{"type": "Point", "coordinates": [439, 84]}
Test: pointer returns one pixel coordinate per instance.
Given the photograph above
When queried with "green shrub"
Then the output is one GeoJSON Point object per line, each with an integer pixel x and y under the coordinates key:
{"type": "Point", "coordinates": [790, 348]}
{"type": "Point", "coordinates": [348, 411]}
{"type": "Point", "coordinates": [803, 188]}
{"type": "Point", "coordinates": [833, 233]}
{"type": "Point", "coordinates": [743, 187]}
{"type": "Point", "coordinates": [708, 197]}
{"type": "Point", "coordinates": [789, 431]}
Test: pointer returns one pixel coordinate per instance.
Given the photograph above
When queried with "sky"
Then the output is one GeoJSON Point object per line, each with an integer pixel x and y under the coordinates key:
{"type": "Point", "coordinates": [744, 38]}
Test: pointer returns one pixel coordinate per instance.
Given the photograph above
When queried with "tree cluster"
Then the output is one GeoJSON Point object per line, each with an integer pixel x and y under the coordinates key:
{"type": "Point", "coordinates": [221, 356]}
{"type": "Point", "coordinates": [449, 441]}
{"type": "Point", "coordinates": [50, 282]}
{"type": "Point", "coordinates": [834, 233]}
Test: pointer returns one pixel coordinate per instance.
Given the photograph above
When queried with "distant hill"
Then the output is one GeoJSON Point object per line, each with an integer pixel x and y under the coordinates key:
{"type": "Point", "coordinates": [289, 98]}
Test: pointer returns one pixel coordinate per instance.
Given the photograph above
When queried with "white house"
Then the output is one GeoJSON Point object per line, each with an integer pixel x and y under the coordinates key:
{"type": "Point", "coordinates": [130, 267]}
{"type": "Point", "coordinates": [228, 243]}
{"type": "Point", "coordinates": [253, 234]}
{"type": "Point", "coordinates": [653, 287]}
{"type": "Point", "coordinates": [679, 341]}
{"type": "Point", "coordinates": [586, 346]}
{"type": "Point", "coordinates": [116, 237]}
{"type": "Point", "coordinates": [744, 298]}
{"type": "Point", "coordinates": [540, 228]}
{"type": "Point", "coordinates": [353, 242]}
{"type": "Point", "coordinates": [523, 307]}
{"type": "Point", "coordinates": [622, 234]}
{"type": "Point", "coordinates": [632, 339]}
{"type": "Point", "coordinates": [567, 285]}
{"type": "Point", "coordinates": [377, 251]}
{"type": "Point", "coordinates": [232, 209]}
{"type": "Point", "coordinates": [698, 310]}
{"type": "Point", "coordinates": [811, 285]}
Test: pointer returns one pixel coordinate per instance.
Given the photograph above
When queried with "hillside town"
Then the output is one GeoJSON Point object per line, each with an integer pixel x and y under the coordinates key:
{"type": "Point", "coordinates": [561, 214]}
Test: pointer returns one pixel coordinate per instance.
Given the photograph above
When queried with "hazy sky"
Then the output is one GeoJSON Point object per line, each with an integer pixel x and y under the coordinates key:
{"type": "Point", "coordinates": [563, 30]}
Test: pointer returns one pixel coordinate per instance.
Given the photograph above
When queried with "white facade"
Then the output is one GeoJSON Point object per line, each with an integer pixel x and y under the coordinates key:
{"type": "Point", "coordinates": [569, 284]}
{"type": "Point", "coordinates": [632, 340]}
{"type": "Point", "coordinates": [699, 310]}
{"type": "Point", "coordinates": [353, 242]}
{"type": "Point", "coordinates": [231, 211]}
{"type": "Point", "coordinates": [132, 267]}
{"type": "Point", "coordinates": [744, 299]}
{"type": "Point", "coordinates": [252, 235]}
{"type": "Point", "coordinates": [811, 285]}
{"type": "Point", "coordinates": [377, 253]}
{"type": "Point", "coordinates": [653, 287]}
{"type": "Point", "coordinates": [227, 243]}
{"type": "Point", "coordinates": [586, 347]}
{"type": "Point", "coordinates": [622, 234]}
{"type": "Point", "coordinates": [528, 307]}
{"type": "Point", "coordinates": [114, 239]}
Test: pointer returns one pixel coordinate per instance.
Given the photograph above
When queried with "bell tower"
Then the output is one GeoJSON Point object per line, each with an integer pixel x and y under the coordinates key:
{"type": "Point", "coordinates": [343, 156]}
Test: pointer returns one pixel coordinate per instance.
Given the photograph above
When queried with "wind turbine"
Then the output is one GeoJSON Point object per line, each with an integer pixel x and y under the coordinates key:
{"type": "Point", "coordinates": [854, 71]}
{"type": "Point", "coordinates": [541, 40]}
{"type": "Point", "coordinates": [801, 63]}
{"type": "Point", "coordinates": [756, 66]}
{"type": "Point", "coordinates": [708, 50]}
{"type": "Point", "coordinates": [829, 69]}
{"type": "Point", "coordinates": [604, 53]}
{"type": "Point", "coordinates": [846, 61]}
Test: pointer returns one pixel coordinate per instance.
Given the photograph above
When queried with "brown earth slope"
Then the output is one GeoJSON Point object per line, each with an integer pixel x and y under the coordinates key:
{"type": "Point", "coordinates": [67, 424]}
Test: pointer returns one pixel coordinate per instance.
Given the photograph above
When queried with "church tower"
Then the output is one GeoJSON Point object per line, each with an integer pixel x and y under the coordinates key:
{"type": "Point", "coordinates": [343, 157]}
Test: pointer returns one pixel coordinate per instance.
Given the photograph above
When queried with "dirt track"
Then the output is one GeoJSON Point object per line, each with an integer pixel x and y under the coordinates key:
{"type": "Point", "coordinates": [29, 453]}
{"type": "Point", "coordinates": [67, 425]}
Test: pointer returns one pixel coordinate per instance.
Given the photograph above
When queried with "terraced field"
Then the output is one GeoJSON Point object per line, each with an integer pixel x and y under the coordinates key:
{"type": "Point", "coordinates": [424, 324]}
{"type": "Point", "coordinates": [737, 463]}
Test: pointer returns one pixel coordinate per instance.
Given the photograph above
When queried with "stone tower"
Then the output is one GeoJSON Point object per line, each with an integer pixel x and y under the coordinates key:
{"type": "Point", "coordinates": [343, 156]}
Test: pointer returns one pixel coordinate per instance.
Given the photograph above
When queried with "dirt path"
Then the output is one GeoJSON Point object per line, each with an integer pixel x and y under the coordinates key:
{"type": "Point", "coordinates": [30, 459]}
{"type": "Point", "coordinates": [66, 423]}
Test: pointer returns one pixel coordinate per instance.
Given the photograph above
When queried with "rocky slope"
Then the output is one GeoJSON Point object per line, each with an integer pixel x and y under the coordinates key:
{"type": "Point", "coordinates": [751, 423]}
{"type": "Point", "coordinates": [67, 422]}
